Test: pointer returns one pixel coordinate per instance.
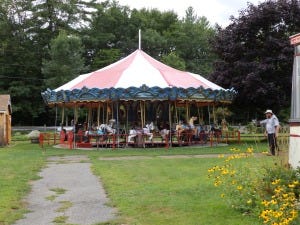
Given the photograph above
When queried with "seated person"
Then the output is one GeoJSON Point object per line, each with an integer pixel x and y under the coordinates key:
{"type": "Point", "coordinates": [180, 127]}
{"type": "Point", "coordinates": [192, 125]}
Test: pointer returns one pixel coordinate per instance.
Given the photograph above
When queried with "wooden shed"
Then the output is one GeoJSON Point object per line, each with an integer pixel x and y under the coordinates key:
{"type": "Point", "coordinates": [5, 120]}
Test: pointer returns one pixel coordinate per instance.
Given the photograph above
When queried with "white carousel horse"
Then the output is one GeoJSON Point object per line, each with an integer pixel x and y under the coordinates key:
{"type": "Point", "coordinates": [132, 134]}
{"type": "Point", "coordinates": [106, 129]}
{"type": "Point", "coordinates": [164, 133]}
{"type": "Point", "coordinates": [146, 130]}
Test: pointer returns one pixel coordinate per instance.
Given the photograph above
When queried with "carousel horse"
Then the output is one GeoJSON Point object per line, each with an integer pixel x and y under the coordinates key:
{"type": "Point", "coordinates": [105, 129]}
{"type": "Point", "coordinates": [191, 124]}
{"type": "Point", "coordinates": [146, 131]}
{"type": "Point", "coordinates": [180, 127]}
{"type": "Point", "coordinates": [164, 133]}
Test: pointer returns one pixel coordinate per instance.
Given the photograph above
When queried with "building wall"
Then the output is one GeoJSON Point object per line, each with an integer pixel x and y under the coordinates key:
{"type": "Point", "coordinates": [5, 128]}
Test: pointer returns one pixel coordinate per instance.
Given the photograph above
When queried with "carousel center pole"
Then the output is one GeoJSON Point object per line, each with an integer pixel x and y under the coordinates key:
{"type": "Point", "coordinates": [294, 151]}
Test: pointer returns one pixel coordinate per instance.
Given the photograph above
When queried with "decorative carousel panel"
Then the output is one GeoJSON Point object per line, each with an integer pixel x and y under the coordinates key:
{"type": "Point", "coordinates": [135, 94]}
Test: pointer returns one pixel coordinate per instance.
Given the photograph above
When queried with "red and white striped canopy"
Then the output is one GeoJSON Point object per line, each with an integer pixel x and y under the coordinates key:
{"type": "Point", "coordinates": [135, 70]}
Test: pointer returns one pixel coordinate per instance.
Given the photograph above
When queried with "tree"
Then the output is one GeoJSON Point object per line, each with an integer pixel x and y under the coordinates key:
{"type": "Point", "coordinates": [66, 60]}
{"type": "Point", "coordinates": [51, 16]}
{"type": "Point", "coordinates": [191, 42]}
{"type": "Point", "coordinates": [255, 56]}
{"type": "Point", "coordinates": [19, 64]}
{"type": "Point", "coordinates": [174, 61]}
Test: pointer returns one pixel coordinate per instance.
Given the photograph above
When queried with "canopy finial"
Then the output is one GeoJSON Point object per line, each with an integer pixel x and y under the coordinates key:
{"type": "Point", "coordinates": [140, 37]}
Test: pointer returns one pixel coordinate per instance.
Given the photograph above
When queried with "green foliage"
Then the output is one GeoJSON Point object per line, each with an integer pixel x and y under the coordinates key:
{"type": "Point", "coordinates": [191, 41]}
{"type": "Point", "coordinates": [174, 61]}
{"type": "Point", "coordinates": [66, 60]}
{"type": "Point", "coordinates": [105, 57]}
{"type": "Point", "coordinates": [256, 58]}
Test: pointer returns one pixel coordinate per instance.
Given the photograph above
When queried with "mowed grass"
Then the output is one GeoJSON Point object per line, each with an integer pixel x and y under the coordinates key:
{"type": "Point", "coordinates": [18, 166]}
{"type": "Point", "coordinates": [145, 191]}
{"type": "Point", "coordinates": [168, 191]}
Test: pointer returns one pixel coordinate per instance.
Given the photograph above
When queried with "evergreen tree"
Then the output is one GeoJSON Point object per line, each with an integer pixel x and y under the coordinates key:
{"type": "Point", "coordinates": [66, 60]}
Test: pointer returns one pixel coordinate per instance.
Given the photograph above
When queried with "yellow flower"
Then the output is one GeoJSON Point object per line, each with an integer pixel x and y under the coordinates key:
{"type": "Point", "coordinates": [294, 213]}
{"type": "Point", "coordinates": [285, 195]}
{"type": "Point", "coordinates": [210, 170]}
{"type": "Point", "coordinates": [275, 181]}
{"type": "Point", "coordinates": [222, 195]}
{"type": "Point", "coordinates": [278, 190]}
{"type": "Point", "coordinates": [273, 202]}
{"type": "Point", "coordinates": [239, 187]}
{"type": "Point", "coordinates": [249, 201]}
{"type": "Point", "coordinates": [291, 185]}
{"type": "Point", "coordinates": [265, 203]}
{"type": "Point", "coordinates": [224, 172]}
{"type": "Point", "coordinates": [249, 150]}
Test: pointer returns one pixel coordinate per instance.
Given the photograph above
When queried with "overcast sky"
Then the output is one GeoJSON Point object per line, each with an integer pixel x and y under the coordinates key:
{"type": "Point", "coordinates": [216, 11]}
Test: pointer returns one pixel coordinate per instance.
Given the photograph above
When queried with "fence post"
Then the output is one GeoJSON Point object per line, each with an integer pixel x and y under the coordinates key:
{"type": "Point", "coordinates": [41, 140]}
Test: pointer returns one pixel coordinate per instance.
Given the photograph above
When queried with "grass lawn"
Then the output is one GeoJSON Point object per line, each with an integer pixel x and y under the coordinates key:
{"type": "Point", "coordinates": [145, 191]}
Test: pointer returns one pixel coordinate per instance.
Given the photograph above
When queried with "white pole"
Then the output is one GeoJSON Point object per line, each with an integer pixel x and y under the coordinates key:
{"type": "Point", "coordinates": [140, 39]}
{"type": "Point", "coordinates": [294, 153]}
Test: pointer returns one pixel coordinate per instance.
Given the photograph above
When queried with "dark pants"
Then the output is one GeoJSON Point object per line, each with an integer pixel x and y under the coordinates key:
{"type": "Point", "coordinates": [272, 143]}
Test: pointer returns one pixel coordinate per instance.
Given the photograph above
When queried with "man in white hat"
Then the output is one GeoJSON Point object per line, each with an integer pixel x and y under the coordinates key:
{"type": "Point", "coordinates": [272, 129]}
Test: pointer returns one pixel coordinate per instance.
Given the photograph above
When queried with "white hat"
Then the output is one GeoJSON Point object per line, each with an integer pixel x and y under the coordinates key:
{"type": "Point", "coordinates": [268, 111]}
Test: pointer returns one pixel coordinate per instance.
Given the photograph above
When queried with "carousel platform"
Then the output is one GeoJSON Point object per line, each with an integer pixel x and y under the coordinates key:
{"type": "Point", "coordinates": [140, 141]}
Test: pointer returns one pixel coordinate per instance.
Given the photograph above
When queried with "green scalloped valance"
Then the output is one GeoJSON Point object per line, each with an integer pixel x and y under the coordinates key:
{"type": "Point", "coordinates": [136, 94]}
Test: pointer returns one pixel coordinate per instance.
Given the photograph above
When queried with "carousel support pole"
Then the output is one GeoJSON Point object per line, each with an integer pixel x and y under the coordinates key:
{"type": "Point", "coordinates": [112, 111]}
{"type": "Point", "coordinates": [89, 116]}
{"type": "Point", "coordinates": [75, 114]}
{"type": "Point", "coordinates": [62, 116]}
{"type": "Point", "coordinates": [98, 115]}
{"type": "Point", "coordinates": [170, 129]}
{"type": "Point", "coordinates": [144, 109]}
{"type": "Point", "coordinates": [176, 113]}
{"type": "Point", "coordinates": [208, 109]}
{"type": "Point", "coordinates": [198, 112]}
{"type": "Point", "coordinates": [141, 111]}
{"type": "Point", "coordinates": [187, 113]}
{"type": "Point", "coordinates": [127, 110]}
{"type": "Point", "coordinates": [294, 152]}
{"type": "Point", "coordinates": [74, 131]}
{"type": "Point", "coordinates": [103, 113]}
{"type": "Point", "coordinates": [118, 139]}
{"type": "Point", "coordinates": [106, 119]}
{"type": "Point", "coordinates": [55, 124]}
{"type": "Point", "coordinates": [214, 114]}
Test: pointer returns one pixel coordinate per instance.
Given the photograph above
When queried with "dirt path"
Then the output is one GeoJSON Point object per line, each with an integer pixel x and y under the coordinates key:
{"type": "Point", "coordinates": [67, 193]}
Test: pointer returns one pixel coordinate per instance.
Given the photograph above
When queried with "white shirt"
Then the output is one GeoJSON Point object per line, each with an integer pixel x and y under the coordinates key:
{"type": "Point", "coordinates": [271, 124]}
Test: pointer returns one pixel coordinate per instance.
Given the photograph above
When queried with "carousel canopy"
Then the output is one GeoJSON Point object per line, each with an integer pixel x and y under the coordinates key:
{"type": "Point", "coordinates": [138, 77]}
{"type": "Point", "coordinates": [136, 70]}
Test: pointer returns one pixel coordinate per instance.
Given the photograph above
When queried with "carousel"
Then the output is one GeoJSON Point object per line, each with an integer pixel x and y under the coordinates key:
{"type": "Point", "coordinates": [137, 101]}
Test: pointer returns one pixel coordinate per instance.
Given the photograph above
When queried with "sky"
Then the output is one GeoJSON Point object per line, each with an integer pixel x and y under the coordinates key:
{"type": "Point", "coordinates": [216, 11]}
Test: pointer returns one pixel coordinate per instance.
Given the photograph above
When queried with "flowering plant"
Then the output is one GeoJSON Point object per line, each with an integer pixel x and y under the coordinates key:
{"type": "Point", "coordinates": [272, 195]}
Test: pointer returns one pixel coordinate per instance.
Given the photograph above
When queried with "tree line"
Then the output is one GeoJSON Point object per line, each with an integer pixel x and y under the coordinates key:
{"type": "Point", "coordinates": [45, 43]}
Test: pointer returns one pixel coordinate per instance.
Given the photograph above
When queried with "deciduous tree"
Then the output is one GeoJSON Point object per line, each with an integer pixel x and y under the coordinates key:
{"type": "Point", "coordinates": [255, 56]}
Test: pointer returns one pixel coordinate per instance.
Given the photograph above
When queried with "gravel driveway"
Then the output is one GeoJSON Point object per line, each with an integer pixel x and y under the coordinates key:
{"type": "Point", "coordinates": [67, 193]}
